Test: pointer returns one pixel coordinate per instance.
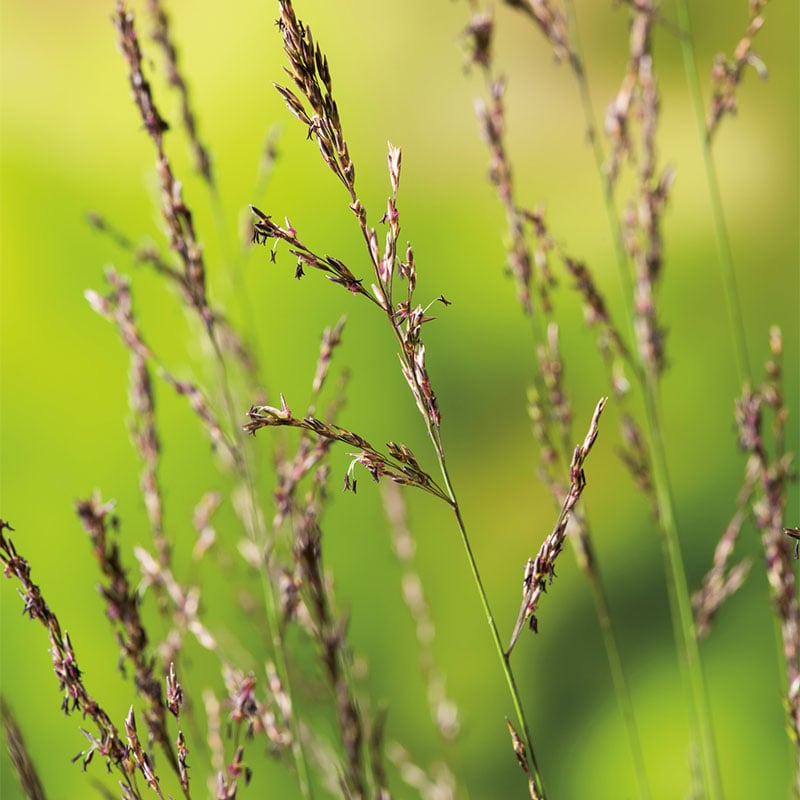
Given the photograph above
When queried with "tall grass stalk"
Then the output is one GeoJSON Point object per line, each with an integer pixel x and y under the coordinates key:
{"type": "Point", "coordinates": [647, 371]}
{"type": "Point", "coordinates": [521, 263]}
{"type": "Point", "coordinates": [727, 270]}
{"type": "Point", "coordinates": [310, 73]}
{"type": "Point", "coordinates": [707, 125]}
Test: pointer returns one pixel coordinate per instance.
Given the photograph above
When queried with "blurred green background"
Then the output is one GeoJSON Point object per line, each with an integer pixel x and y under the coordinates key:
{"type": "Point", "coordinates": [72, 142]}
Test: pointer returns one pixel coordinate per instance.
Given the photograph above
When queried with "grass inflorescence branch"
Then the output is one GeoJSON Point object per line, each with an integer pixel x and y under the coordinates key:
{"type": "Point", "coordinates": [541, 570]}
{"type": "Point", "coordinates": [107, 742]}
{"type": "Point", "coordinates": [400, 465]}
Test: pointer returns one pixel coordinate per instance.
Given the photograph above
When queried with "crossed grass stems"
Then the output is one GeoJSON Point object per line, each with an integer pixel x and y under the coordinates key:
{"type": "Point", "coordinates": [637, 235]}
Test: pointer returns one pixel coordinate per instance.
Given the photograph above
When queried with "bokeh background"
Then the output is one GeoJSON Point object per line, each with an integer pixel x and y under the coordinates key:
{"type": "Point", "coordinates": [72, 143]}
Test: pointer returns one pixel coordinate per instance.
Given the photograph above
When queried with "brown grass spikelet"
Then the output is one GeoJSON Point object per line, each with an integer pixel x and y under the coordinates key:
{"type": "Point", "coordinates": [117, 307]}
{"type": "Point", "coordinates": [162, 35]}
{"type": "Point", "coordinates": [727, 73]}
{"type": "Point", "coordinates": [176, 214]}
{"type": "Point", "coordinates": [540, 571]}
{"type": "Point", "coordinates": [522, 759]}
{"type": "Point", "coordinates": [308, 70]}
{"type": "Point", "coordinates": [122, 608]}
{"type": "Point", "coordinates": [400, 465]}
{"type": "Point", "coordinates": [107, 743]}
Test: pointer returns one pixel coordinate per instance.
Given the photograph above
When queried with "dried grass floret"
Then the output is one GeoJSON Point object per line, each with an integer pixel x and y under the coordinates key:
{"type": "Point", "coordinates": [540, 571]}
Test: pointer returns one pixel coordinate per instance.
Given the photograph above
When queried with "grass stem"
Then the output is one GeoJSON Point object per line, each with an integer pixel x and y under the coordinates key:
{"type": "Point", "coordinates": [677, 587]}
{"type": "Point", "coordinates": [504, 657]}
{"type": "Point", "coordinates": [686, 639]}
{"type": "Point", "coordinates": [732, 303]}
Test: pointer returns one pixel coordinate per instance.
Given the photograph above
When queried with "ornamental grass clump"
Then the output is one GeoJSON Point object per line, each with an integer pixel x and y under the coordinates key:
{"type": "Point", "coordinates": [232, 678]}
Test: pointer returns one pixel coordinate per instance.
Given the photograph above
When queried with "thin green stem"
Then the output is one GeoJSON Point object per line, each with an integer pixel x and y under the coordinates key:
{"type": "Point", "coordinates": [589, 567]}
{"type": "Point", "coordinates": [735, 317]}
{"type": "Point", "coordinates": [436, 440]}
{"type": "Point", "coordinates": [728, 274]}
{"type": "Point", "coordinates": [619, 680]}
{"type": "Point", "coordinates": [274, 632]}
{"type": "Point", "coordinates": [576, 64]}
{"type": "Point", "coordinates": [701, 711]}
{"type": "Point", "coordinates": [498, 644]}
{"type": "Point", "coordinates": [515, 227]}
{"type": "Point", "coordinates": [677, 587]}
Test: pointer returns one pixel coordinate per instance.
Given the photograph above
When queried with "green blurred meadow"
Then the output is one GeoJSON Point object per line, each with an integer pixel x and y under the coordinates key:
{"type": "Point", "coordinates": [72, 143]}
